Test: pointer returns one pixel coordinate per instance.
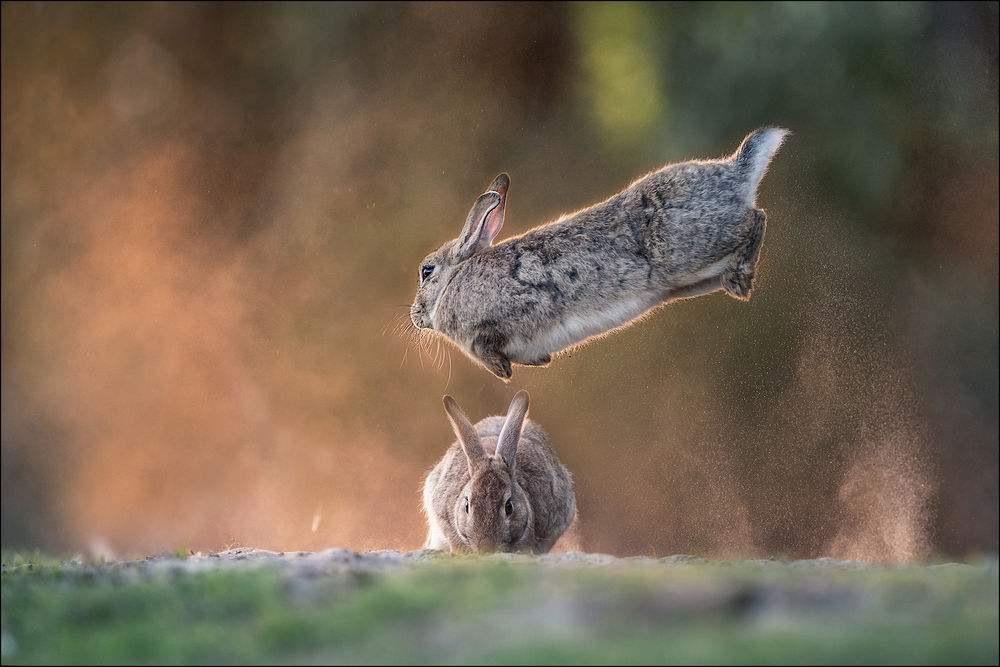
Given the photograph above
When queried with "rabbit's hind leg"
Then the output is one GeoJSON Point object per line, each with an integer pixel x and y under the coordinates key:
{"type": "Point", "coordinates": [737, 279]}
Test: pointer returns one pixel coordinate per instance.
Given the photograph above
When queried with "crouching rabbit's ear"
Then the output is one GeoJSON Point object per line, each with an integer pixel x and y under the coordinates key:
{"type": "Point", "coordinates": [510, 434]}
{"type": "Point", "coordinates": [485, 219]}
{"type": "Point", "coordinates": [468, 437]}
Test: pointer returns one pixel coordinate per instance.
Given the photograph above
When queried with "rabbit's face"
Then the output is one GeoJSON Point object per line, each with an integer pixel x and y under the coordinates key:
{"type": "Point", "coordinates": [481, 227]}
{"type": "Point", "coordinates": [433, 274]}
{"type": "Point", "coordinates": [493, 513]}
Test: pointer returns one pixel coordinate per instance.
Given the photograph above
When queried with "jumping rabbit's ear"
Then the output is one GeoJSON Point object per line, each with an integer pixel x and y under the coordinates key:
{"type": "Point", "coordinates": [466, 432]}
{"type": "Point", "coordinates": [500, 185]}
{"type": "Point", "coordinates": [485, 219]}
{"type": "Point", "coordinates": [510, 433]}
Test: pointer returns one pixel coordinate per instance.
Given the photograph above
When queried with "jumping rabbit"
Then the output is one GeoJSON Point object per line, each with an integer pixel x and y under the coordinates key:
{"type": "Point", "coordinates": [499, 488]}
{"type": "Point", "coordinates": [687, 229]}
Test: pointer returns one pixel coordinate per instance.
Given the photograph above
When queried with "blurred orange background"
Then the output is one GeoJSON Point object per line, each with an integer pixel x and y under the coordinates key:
{"type": "Point", "coordinates": [212, 216]}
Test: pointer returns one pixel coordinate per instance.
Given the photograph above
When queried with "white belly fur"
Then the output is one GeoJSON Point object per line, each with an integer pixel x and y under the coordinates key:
{"type": "Point", "coordinates": [581, 326]}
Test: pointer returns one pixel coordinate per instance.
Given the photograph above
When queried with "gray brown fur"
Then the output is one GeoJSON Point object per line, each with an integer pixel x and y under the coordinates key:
{"type": "Point", "coordinates": [682, 231]}
{"type": "Point", "coordinates": [487, 466]}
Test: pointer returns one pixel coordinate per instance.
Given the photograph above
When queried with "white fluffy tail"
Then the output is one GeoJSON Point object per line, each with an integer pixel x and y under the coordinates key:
{"type": "Point", "coordinates": [754, 155]}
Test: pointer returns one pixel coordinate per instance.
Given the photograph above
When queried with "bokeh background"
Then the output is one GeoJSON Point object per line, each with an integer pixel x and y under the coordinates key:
{"type": "Point", "coordinates": [212, 216]}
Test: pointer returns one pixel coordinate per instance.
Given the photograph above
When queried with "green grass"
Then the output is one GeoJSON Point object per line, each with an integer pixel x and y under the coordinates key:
{"type": "Point", "coordinates": [484, 611]}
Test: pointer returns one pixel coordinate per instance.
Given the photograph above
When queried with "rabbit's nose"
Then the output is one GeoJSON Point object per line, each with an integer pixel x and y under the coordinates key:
{"type": "Point", "coordinates": [485, 545]}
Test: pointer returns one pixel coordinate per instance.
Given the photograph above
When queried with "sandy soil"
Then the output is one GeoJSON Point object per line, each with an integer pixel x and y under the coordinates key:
{"type": "Point", "coordinates": [335, 559]}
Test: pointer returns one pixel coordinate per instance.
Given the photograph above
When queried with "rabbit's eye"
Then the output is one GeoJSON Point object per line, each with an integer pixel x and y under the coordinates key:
{"type": "Point", "coordinates": [466, 505]}
{"type": "Point", "coordinates": [425, 271]}
{"type": "Point", "coordinates": [508, 507]}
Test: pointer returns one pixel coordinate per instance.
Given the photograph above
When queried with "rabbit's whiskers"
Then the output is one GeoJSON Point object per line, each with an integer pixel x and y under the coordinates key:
{"type": "Point", "coordinates": [401, 325]}
{"type": "Point", "coordinates": [427, 342]}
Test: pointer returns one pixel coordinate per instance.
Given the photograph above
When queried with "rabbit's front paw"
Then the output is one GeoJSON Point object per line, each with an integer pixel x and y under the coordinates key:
{"type": "Point", "coordinates": [496, 363]}
{"type": "Point", "coordinates": [499, 366]}
{"type": "Point", "coordinates": [486, 347]}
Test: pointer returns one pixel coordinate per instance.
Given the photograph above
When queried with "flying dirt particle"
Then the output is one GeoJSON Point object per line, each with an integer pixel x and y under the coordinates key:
{"type": "Point", "coordinates": [316, 518]}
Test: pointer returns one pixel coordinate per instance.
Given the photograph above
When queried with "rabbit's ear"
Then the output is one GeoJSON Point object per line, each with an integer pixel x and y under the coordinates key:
{"type": "Point", "coordinates": [485, 219]}
{"type": "Point", "coordinates": [510, 434]}
{"type": "Point", "coordinates": [494, 219]}
{"type": "Point", "coordinates": [500, 185]}
{"type": "Point", "coordinates": [466, 432]}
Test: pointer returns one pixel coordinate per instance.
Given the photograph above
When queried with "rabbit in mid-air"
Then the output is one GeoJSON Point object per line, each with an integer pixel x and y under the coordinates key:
{"type": "Point", "coordinates": [499, 488]}
{"type": "Point", "coordinates": [688, 229]}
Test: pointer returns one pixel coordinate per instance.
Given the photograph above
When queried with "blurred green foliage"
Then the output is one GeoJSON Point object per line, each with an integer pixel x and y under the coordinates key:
{"type": "Point", "coordinates": [475, 612]}
{"type": "Point", "coordinates": [619, 71]}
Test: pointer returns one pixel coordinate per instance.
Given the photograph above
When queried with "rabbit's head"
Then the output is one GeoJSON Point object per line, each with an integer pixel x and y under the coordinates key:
{"type": "Point", "coordinates": [437, 269]}
{"type": "Point", "coordinates": [492, 511]}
